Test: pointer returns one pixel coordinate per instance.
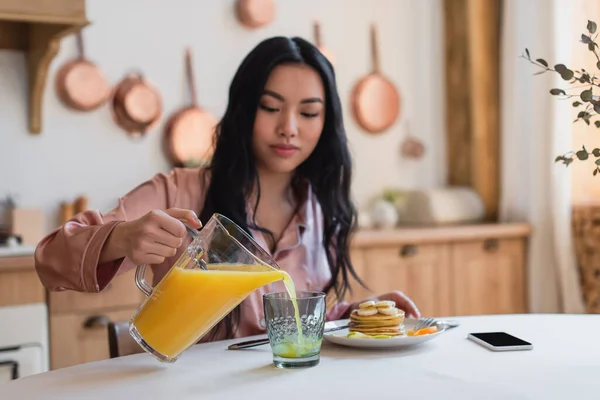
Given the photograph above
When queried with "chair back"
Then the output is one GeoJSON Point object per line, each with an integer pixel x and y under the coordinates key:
{"type": "Point", "coordinates": [120, 342]}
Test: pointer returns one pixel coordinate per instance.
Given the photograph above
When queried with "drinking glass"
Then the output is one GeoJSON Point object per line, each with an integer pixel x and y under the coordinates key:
{"type": "Point", "coordinates": [291, 349]}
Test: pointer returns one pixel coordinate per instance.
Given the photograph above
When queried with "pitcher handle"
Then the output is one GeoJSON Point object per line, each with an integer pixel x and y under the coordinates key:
{"type": "Point", "coordinates": [140, 280]}
{"type": "Point", "coordinates": [140, 272]}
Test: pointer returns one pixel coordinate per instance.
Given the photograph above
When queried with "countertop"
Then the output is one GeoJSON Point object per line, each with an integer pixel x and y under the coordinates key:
{"type": "Point", "coordinates": [440, 234]}
{"type": "Point", "coordinates": [16, 261]}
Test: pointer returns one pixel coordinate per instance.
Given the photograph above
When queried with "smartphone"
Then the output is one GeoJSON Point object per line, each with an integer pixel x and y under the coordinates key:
{"type": "Point", "coordinates": [499, 341]}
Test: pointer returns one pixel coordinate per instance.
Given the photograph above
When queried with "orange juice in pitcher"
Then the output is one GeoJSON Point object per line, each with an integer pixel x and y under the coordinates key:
{"type": "Point", "coordinates": [218, 270]}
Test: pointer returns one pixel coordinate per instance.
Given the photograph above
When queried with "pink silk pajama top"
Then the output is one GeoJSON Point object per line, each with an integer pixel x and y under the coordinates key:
{"type": "Point", "coordinates": [67, 258]}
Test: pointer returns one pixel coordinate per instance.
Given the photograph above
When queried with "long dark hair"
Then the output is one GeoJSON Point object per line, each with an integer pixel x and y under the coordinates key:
{"type": "Point", "coordinates": [233, 173]}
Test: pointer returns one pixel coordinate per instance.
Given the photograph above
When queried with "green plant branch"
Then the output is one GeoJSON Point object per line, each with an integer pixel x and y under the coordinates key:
{"type": "Point", "coordinates": [587, 100]}
{"type": "Point", "coordinates": [581, 155]}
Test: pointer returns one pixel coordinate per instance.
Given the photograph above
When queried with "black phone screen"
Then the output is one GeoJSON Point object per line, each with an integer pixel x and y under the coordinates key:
{"type": "Point", "coordinates": [500, 339]}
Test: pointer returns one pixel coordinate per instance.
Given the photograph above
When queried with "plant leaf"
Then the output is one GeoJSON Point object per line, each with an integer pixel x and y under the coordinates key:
{"type": "Point", "coordinates": [576, 104]}
{"type": "Point", "coordinates": [595, 171]}
{"type": "Point", "coordinates": [598, 161]}
{"type": "Point", "coordinates": [586, 117]}
{"type": "Point", "coordinates": [556, 92]}
{"type": "Point", "coordinates": [586, 39]}
{"type": "Point", "coordinates": [586, 95]}
{"type": "Point", "coordinates": [543, 62]}
{"type": "Point", "coordinates": [582, 155]}
{"type": "Point", "coordinates": [585, 78]}
{"type": "Point", "coordinates": [591, 27]}
{"type": "Point", "coordinates": [567, 74]}
{"type": "Point", "coordinates": [527, 52]}
{"type": "Point", "coordinates": [560, 68]}
{"type": "Point", "coordinates": [596, 151]}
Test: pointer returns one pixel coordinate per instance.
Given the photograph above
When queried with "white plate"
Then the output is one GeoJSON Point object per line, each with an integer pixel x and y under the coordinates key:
{"type": "Point", "coordinates": [339, 337]}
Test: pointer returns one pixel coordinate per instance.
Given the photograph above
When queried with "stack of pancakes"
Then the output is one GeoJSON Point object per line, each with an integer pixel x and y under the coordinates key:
{"type": "Point", "coordinates": [377, 318]}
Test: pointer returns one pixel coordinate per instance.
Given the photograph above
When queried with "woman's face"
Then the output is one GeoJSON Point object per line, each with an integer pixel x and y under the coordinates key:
{"type": "Point", "coordinates": [289, 119]}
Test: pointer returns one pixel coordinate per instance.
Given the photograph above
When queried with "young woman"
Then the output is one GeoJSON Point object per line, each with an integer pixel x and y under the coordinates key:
{"type": "Point", "coordinates": [281, 170]}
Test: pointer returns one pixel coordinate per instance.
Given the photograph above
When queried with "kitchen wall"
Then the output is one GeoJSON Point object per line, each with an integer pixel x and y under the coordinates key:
{"type": "Point", "coordinates": [86, 153]}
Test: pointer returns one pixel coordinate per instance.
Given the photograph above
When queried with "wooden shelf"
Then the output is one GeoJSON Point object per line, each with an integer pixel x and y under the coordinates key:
{"type": "Point", "coordinates": [36, 27]}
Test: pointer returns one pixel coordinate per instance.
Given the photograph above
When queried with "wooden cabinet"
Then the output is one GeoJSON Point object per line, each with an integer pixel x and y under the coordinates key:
{"type": "Point", "coordinates": [19, 283]}
{"type": "Point", "coordinates": [417, 270]}
{"type": "Point", "coordinates": [78, 338]}
{"type": "Point", "coordinates": [79, 321]}
{"type": "Point", "coordinates": [463, 270]}
{"type": "Point", "coordinates": [488, 277]}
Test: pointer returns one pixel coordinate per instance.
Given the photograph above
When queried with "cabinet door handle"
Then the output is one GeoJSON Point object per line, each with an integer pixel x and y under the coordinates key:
{"type": "Point", "coordinates": [96, 321]}
{"type": "Point", "coordinates": [491, 244]}
{"type": "Point", "coordinates": [408, 250]}
{"type": "Point", "coordinates": [14, 367]}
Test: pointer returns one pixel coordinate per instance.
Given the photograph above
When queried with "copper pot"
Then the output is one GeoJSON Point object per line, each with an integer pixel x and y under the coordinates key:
{"type": "Point", "coordinates": [80, 84]}
{"type": "Point", "coordinates": [375, 100]}
{"type": "Point", "coordinates": [136, 105]}
{"type": "Point", "coordinates": [189, 132]}
{"type": "Point", "coordinates": [254, 14]}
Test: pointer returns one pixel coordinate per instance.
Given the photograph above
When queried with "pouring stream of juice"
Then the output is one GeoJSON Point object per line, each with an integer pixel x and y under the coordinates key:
{"type": "Point", "coordinates": [187, 303]}
{"type": "Point", "coordinates": [291, 289]}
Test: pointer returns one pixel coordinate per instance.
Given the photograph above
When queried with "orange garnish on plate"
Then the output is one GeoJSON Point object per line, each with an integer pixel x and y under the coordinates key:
{"type": "Point", "coordinates": [424, 331]}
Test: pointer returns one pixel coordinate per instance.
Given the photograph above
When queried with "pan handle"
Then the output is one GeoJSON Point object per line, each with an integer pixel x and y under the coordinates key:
{"type": "Point", "coordinates": [80, 48]}
{"type": "Point", "coordinates": [317, 32]}
{"type": "Point", "coordinates": [374, 49]}
{"type": "Point", "coordinates": [190, 76]}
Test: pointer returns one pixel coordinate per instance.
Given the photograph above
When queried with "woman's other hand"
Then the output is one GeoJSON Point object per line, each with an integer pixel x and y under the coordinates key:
{"type": "Point", "coordinates": [151, 238]}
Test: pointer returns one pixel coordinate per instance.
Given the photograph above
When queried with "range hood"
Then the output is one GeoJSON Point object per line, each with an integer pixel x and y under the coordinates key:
{"type": "Point", "coordinates": [36, 27]}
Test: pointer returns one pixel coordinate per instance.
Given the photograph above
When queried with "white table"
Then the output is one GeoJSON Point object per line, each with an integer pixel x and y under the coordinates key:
{"type": "Point", "coordinates": [564, 364]}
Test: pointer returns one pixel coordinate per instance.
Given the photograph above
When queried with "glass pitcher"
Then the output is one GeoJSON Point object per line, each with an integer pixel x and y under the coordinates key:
{"type": "Point", "coordinates": [221, 266]}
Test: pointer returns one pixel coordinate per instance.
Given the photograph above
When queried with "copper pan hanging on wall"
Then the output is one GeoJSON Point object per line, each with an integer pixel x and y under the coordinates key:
{"type": "Point", "coordinates": [254, 14]}
{"type": "Point", "coordinates": [80, 84]}
{"type": "Point", "coordinates": [375, 100]}
{"type": "Point", "coordinates": [136, 105]}
{"type": "Point", "coordinates": [189, 132]}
